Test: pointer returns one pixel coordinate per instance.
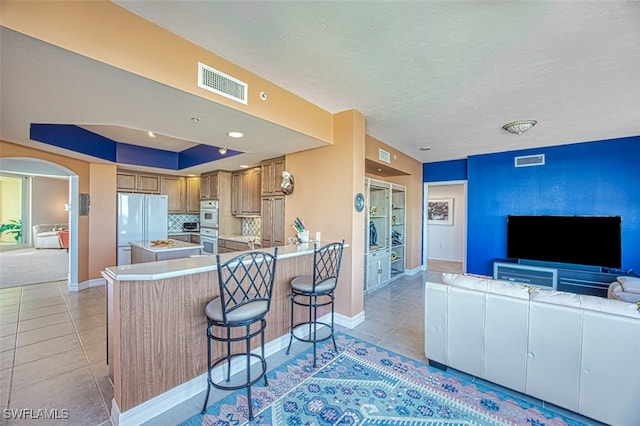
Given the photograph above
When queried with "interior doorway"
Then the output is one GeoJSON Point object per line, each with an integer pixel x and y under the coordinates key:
{"type": "Point", "coordinates": [445, 226]}
{"type": "Point", "coordinates": [41, 168]}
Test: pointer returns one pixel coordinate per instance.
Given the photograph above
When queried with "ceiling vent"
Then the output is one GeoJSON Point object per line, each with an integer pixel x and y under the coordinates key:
{"type": "Point", "coordinates": [222, 84]}
{"type": "Point", "coordinates": [529, 160]}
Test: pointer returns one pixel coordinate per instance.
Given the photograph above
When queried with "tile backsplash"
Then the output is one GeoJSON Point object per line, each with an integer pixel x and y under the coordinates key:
{"type": "Point", "coordinates": [251, 226]}
{"type": "Point", "coordinates": [175, 221]}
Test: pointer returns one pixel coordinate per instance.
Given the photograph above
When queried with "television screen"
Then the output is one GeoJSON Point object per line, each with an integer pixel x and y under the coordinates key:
{"type": "Point", "coordinates": [582, 240]}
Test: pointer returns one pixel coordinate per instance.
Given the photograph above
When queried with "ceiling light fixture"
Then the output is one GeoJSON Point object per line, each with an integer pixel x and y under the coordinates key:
{"type": "Point", "coordinates": [222, 151]}
{"type": "Point", "coordinates": [519, 127]}
{"type": "Point", "coordinates": [195, 119]}
{"type": "Point", "coordinates": [425, 148]}
{"type": "Point", "coordinates": [244, 166]}
{"type": "Point", "coordinates": [151, 134]}
{"type": "Point", "coordinates": [235, 134]}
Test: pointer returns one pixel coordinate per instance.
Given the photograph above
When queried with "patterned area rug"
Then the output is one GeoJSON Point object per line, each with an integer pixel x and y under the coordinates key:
{"type": "Point", "coordinates": [363, 384]}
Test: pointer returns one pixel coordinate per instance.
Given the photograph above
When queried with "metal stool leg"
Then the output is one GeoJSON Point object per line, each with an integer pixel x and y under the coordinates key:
{"type": "Point", "coordinates": [209, 381]}
{"type": "Point", "coordinates": [291, 329]}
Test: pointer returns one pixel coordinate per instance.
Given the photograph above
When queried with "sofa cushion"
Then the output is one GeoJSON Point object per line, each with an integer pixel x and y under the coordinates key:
{"type": "Point", "coordinates": [466, 281]}
{"type": "Point", "coordinates": [630, 284]}
{"type": "Point", "coordinates": [556, 298]}
{"type": "Point", "coordinates": [609, 306]}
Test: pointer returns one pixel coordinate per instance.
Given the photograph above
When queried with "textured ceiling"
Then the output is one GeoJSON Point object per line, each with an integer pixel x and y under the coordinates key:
{"type": "Point", "coordinates": [445, 75]}
{"type": "Point", "coordinates": [431, 73]}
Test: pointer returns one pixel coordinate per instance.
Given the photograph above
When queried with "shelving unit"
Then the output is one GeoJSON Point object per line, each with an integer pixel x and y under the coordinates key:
{"type": "Point", "coordinates": [384, 233]}
{"type": "Point", "coordinates": [398, 203]}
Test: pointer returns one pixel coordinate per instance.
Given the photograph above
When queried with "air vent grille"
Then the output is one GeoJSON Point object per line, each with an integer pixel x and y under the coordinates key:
{"type": "Point", "coordinates": [529, 160]}
{"type": "Point", "coordinates": [221, 83]}
{"type": "Point", "coordinates": [384, 156]}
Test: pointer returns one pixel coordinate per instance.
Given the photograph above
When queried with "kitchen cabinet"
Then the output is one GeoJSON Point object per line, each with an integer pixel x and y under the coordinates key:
{"type": "Point", "coordinates": [227, 246]}
{"type": "Point", "coordinates": [272, 222]}
{"type": "Point", "coordinates": [209, 186]}
{"type": "Point", "coordinates": [271, 176]}
{"type": "Point", "coordinates": [175, 188]}
{"type": "Point", "coordinates": [131, 181]}
{"type": "Point", "coordinates": [193, 195]}
{"type": "Point", "coordinates": [245, 190]}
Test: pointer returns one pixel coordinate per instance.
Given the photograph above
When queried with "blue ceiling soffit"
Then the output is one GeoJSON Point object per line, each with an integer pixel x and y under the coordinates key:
{"type": "Point", "coordinates": [77, 139]}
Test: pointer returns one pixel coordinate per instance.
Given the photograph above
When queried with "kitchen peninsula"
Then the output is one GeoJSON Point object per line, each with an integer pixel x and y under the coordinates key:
{"type": "Point", "coordinates": [157, 346]}
{"type": "Point", "coordinates": [150, 251]}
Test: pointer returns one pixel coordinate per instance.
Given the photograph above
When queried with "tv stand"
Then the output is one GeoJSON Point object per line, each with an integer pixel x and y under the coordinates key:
{"type": "Point", "coordinates": [571, 278]}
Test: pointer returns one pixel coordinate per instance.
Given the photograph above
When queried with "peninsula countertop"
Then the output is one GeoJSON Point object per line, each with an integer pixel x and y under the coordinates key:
{"type": "Point", "coordinates": [192, 265]}
{"type": "Point", "coordinates": [175, 245]}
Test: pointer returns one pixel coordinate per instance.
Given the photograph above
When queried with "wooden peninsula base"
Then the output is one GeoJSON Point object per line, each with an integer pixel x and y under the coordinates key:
{"type": "Point", "coordinates": [156, 321]}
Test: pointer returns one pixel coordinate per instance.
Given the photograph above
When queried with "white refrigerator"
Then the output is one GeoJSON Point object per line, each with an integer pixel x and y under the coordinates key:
{"type": "Point", "coordinates": [141, 217]}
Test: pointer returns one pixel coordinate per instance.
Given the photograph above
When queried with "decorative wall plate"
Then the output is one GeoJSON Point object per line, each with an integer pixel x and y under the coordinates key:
{"type": "Point", "coordinates": [358, 202]}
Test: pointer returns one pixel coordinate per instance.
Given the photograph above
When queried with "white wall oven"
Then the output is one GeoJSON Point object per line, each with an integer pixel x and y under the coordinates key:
{"type": "Point", "coordinates": [209, 240]}
{"type": "Point", "coordinates": [209, 214]}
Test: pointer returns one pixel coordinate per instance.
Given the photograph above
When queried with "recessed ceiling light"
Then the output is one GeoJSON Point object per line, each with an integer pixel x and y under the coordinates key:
{"type": "Point", "coordinates": [244, 166]}
{"type": "Point", "coordinates": [425, 148]}
{"type": "Point", "coordinates": [151, 134]}
{"type": "Point", "coordinates": [235, 134]}
{"type": "Point", "coordinates": [222, 151]}
{"type": "Point", "coordinates": [195, 119]}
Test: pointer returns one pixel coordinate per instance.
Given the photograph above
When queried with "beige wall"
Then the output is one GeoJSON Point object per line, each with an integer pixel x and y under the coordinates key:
{"type": "Point", "coordinates": [326, 182]}
{"type": "Point", "coordinates": [48, 197]}
{"type": "Point", "coordinates": [103, 218]}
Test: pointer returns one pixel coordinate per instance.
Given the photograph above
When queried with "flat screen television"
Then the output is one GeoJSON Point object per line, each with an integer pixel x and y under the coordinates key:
{"type": "Point", "coordinates": [581, 240]}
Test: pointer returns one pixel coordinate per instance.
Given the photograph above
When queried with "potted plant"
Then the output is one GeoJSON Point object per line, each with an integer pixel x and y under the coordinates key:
{"type": "Point", "coordinates": [14, 228]}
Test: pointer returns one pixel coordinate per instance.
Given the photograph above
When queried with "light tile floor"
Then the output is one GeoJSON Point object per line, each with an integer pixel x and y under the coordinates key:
{"type": "Point", "coordinates": [53, 354]}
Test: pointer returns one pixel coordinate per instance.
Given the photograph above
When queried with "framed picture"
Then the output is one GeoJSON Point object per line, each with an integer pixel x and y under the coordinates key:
{"type": "Point", "coordinates": [440, 212]}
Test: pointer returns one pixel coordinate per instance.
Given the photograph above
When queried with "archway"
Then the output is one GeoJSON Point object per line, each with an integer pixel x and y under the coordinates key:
{"type": "Point", "coordinates": [37, 167]}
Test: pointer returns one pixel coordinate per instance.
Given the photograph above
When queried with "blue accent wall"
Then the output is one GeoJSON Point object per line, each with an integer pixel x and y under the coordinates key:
{"type": "Point", "coordinates": [592, 178]}
{"type": "Point", "coordinates": [444, 171]}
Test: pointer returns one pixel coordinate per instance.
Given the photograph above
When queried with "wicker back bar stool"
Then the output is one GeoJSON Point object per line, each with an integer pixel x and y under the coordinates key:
{"type": "Point", "coordinates": [314, 291]}
{"type": "Point", "coordinates": [246, 284]}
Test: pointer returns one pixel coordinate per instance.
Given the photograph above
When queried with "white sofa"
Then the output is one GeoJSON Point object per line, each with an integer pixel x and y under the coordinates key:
{"type": "Point", "coordinates": [46, 236]}
{"type": "Point", "coordinates": [575, 351]}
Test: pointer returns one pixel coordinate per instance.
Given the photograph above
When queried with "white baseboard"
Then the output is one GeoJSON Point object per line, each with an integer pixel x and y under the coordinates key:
{"type": "Point", "coordinates": [169, 399]}
{"type": "Point", "coordinates": [415, 270]}
{"type": "Point", "coordinates": [96, 282]}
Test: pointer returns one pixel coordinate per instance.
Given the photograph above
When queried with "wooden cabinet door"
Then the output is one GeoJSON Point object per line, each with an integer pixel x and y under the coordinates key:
{"type": "Point", "coordinates": [236, 192]}
{"type": "Point", "coordinates": [193, 195]}
{"type": "Point", "coordinates": [149, 184]}
{"type": "Point", "coordinates": [204, 186]}
{"type": "Point", "coordinates": [277, 214]}
{"type": "Point", "coordinates": [174, 188]}
{"type": "Point", "coordinates": [271, 176]}
{"type": "Point", "coordinates": [266, 223]}
{"type": "Point", "coordinates": [255, 201]}
{"type": "Point", "coordinates": [245, 185]}
{"type": "Point", "coordinates": [213, 186]}
{"type": "Point", "coordinates": [127, 182]}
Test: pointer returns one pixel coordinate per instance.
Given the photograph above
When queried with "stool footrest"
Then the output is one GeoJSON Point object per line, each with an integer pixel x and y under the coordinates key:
{"type": "Point", "coordinates": [324, 331]}
{"type": "Point", "coordinates": [257, 375]}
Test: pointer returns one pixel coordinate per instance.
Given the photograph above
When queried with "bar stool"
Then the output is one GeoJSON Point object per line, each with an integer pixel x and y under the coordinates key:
{"type": "Point", "coordinates": [246, 285]}
{"type": "Point", "coordinates": [307, 289]}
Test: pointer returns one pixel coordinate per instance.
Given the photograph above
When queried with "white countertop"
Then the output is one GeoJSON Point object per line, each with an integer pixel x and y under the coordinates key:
{"type": "Point", "coordinates": [177, 245]}
{"type": "Point", "coordinates": [191, 265]}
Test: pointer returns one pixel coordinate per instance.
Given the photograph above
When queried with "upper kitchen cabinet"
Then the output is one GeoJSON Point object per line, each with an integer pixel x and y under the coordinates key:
{"type": "Point", "coordinates": [245, 190]}
{"type": "Point", "coordinates": [175, 188]}
{"type": "Point", "coordinates": [130, 181]}
{"type": "Point", "coordinates": [272, 176]}
{"type": "Point", "coordinates": [193, 195]}
{"type": "Point", "coordinates": [209, 186]}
